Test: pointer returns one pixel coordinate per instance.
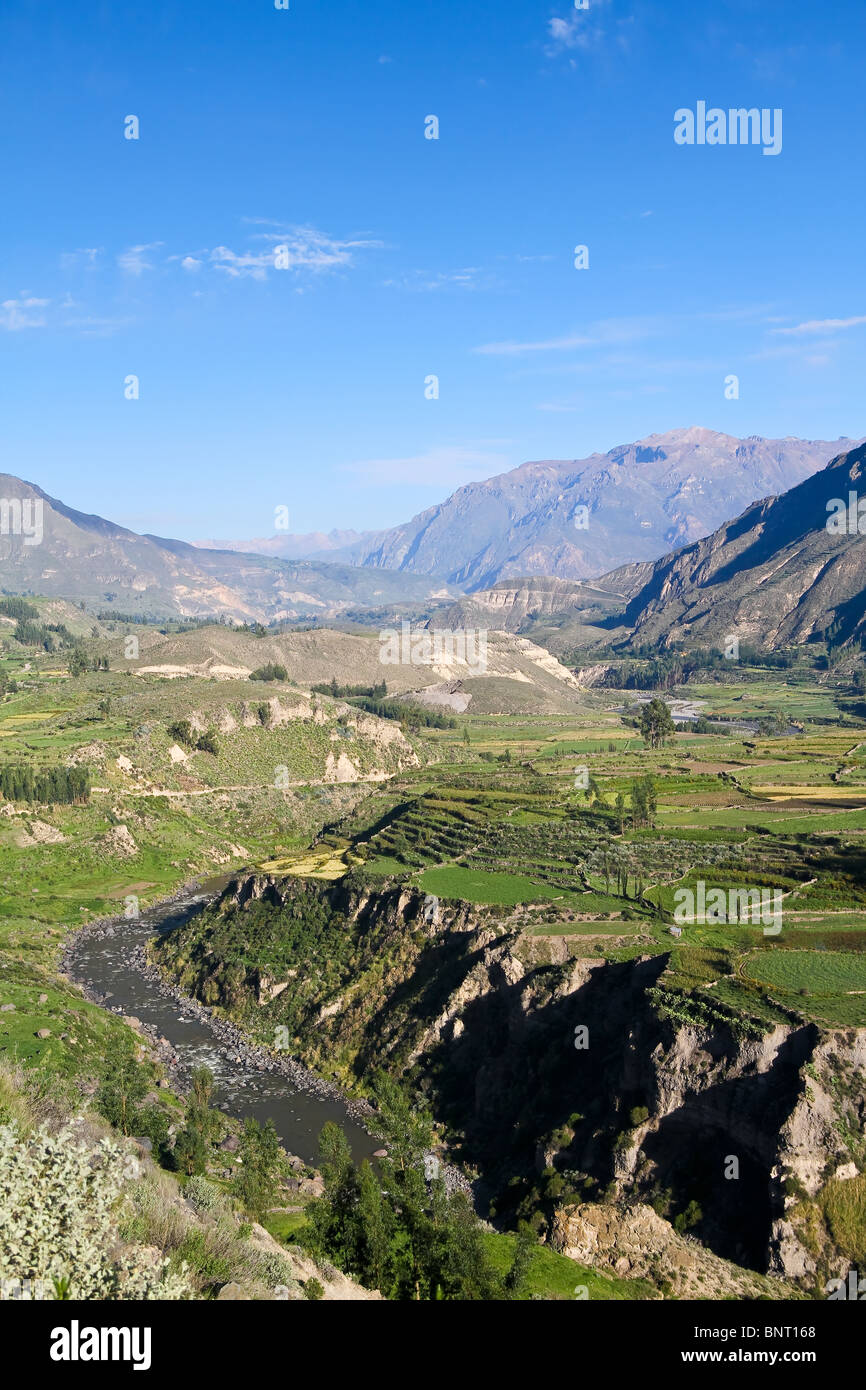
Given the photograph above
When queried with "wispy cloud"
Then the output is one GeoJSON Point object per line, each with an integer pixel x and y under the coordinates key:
{"type": "Point", "coordinates": [92, 326]}
{"type": "Point", "coordinates": [84, 255]}
{"type": "Point", "coordinates": [447, 467]}
{"type": "Point", "coordinates": [25, 312]}
{"type": "Point", "coordinates": [513, 349]}
{"type": "Point", "coordinates": [586, 29]}
{"type": "Point", "coordinates": [581, 29]}
{"type": "Point", "coordinates": [134, 261]}
{"type": "Point", "coordinates": [295, 248]}
{"type": "Point", "coordinates": [820, 326]}
{"type": "Point", "coordinates": [604, 333]}
{"type": "Point", "coordinates": [470, 277]}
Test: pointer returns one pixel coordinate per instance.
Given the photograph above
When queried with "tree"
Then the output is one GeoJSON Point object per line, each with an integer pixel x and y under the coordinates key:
{"type": "Point", "coordinates": [181, 731]}
{"type": "Point", "coordinates": [257, 1183]}
{"type": "Point", "coordinates": [595, 794]}
{"type": "Point", "coordinates": [190, 1151]}
{"type": "Point", "coordinates": [656, 724]}
{"type": "Point", "coordinates": [271, 671]}
{"type": "Point", "coordinates": [516, 1278]}
{"type": "Point", "coordinates": [77, 664]}
{"type": "Point", "coordinates": [208, 742]}
{"type": "Point", "coordinates": [124, 1085]}
{"type": "Point", "coordinates": [202, 1085]}
{"type": "Point", "coordinates": [395, 1225]}
{"type": "Point", "coordinates": [643, 802]}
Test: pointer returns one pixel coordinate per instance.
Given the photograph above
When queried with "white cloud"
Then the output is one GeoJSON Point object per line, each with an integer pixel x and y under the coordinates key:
{"type": "Point", "coordinates": [191, 264]}
{"type": "Point", "coordinates": [301, 248]}
{"type": "Point", "coordinates": [820, 326]}
{"type": "Point", "coordinates": [512, 349]}
{"type": "Point", "coordinates": [222, 258]}
{"type": "Point", "coordinates": [86, 254]}
{"type": "Point", "coordinates": [466, 278]}
{"type": "Point", "coordinates": [583, 29]}
{"type": "Point", "coordinates": [133, 260]}
{"type": "Point", "coordinates": [604, 333]}
{"type": "Point", "coordinates": [21, 313]}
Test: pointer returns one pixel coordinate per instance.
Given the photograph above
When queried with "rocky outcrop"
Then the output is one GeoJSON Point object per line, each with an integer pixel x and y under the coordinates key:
{"type": "Point", "coordinates": [545, 1062]}
{"type": "Point", "coordinates": [634, 1242]}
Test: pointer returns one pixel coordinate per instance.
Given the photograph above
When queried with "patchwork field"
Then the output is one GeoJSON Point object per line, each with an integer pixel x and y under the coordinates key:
{"type": "Point", "coordinates": [533, 817]}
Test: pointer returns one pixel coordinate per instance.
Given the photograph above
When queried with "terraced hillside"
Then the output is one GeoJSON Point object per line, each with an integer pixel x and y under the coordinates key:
{"type": "Point", "coordinates": [466, 922]}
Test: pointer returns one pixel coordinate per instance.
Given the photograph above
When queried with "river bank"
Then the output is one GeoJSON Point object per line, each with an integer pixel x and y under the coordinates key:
{"type": "Point", "coordinates": [107, 960]}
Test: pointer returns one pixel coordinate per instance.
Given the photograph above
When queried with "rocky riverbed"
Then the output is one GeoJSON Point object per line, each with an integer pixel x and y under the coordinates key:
{"type": "Point", "coordinates": [108, 960]}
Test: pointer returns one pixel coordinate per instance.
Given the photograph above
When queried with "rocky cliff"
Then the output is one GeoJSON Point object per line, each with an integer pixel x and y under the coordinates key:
{"type": "Point", "coordinates": [560, 1077]}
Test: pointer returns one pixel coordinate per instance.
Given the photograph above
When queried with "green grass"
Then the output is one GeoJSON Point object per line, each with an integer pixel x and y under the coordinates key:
{"type": "Point", "coordinates": [556, 1277]}
{"type": "Point", "coordinates": [815, 972]}
{"type": "Point", "coordinates": [843, 1203]}
{"type": "Point", "coordinates": [286, 1226]}
{"type": "Point", "coordinates": [478, 886]}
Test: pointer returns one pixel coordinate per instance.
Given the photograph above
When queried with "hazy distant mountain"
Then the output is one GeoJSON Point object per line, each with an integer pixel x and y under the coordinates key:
{"type": "Point", "coordinates": [775, 575]}
{"type": "Point", "coordinates": [642, 500]}
{"type": "Point", "coordinates": [88, 558]}
{"type": "Point", "coordinates": [291, 546]}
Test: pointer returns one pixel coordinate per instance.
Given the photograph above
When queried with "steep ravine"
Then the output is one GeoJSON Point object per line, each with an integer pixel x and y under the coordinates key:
{"type": "Point", "coordinates": [755, 1134]}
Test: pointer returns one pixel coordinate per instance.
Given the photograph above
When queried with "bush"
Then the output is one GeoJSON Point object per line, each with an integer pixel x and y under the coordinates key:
{"type": "Point", "coordinates": [692, 1216]}
{"type": "Point", "coordinates": [58, 1218]}
{"type": "Point", "coordinates": [638, 1115]}
{"type": "Point", "coordinates": [205, 1196]}
{"type": "Point", "coordinates": [271, 671]}
{"type": "Point", "coordinates": [182, 732]}
{"type": "Point", "coordinates": [313, 1290]}
{"type": "Point", "coordinates": [204, 1258]}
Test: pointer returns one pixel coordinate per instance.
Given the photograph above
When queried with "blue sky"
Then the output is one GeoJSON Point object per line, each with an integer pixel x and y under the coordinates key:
{"type": "Point", "coordinates": [305, 387]}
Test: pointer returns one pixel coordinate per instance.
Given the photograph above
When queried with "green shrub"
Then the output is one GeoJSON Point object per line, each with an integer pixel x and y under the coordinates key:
{"type": "Point", "coordinates": [59, 1219]}
{"type": "Point", "coordinates": [271, 671]}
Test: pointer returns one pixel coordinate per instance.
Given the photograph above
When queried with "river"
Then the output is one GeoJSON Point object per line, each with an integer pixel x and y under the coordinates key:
{"type": "Point", "coordinates": [105, 964]}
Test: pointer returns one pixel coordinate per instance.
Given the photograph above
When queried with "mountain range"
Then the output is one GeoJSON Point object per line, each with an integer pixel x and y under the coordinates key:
{"type": "Point", "coordinates": [787, 570]}
{"type": "Point", "coordinates": [774, 575]}
{"type": "Point", "coordinates": [94, 561]}
{"type": "Point", "coordinates": [581, 518]}
{"type": "Point", "coordinates": [783, 572]}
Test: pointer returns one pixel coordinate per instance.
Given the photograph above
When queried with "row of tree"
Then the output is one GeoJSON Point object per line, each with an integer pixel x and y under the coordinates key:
{"type": "Point", "coordinates": [640, 809]}
{"type": "Point", "coordinates": [345, 692]}
{"type": "Point", "coordinates": [53, 785]}
{"type": "Point", "coordinates": [413, 716]}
